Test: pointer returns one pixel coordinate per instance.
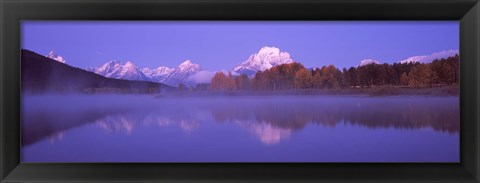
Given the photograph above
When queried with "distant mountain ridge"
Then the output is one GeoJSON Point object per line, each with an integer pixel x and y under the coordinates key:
{"type": "Point", "coordinates": [162, 74]}
{"type": "Point", "coordinates": [368, 61]}
{"type": "Point", "coordinates": [266, 58]}
{"type": "Point", "coordinates": [417, 59]}
{"type": "Point", "coordinates": [117, 70]}
{"type": "Point", "coordinates": [56, 57]}
{"type": "Point", "coordinates": [40, 74]}
{"type": "Point", "coordinates": [429, 58]}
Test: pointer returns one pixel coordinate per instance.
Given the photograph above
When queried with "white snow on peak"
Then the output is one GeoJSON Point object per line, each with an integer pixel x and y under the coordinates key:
{"type": "Point", "coordinates": [158, 72]}
{"type": "Point", "coordinates": [162, 74]}
{"type": "Point", "coordinates": [368, 61]}
{"type": "Point", "coordinates": [413, 59]}
{"type": "Point", "coordinates": [266, 58]}
{"type": "Point", "coordinates": [129, 64]}
{"type": "Point", "coordinates": [181, 74]}
{"type": "Point", "coordinates": [117, 70]}
{"type": "Point", "coordinates": [58, 58]}
{"type": "Point", "coordinates": [188, 65]}
{"type": "Point", "coordinates": [186, 62]}
{"type": "Point", "coordinates": [429, 58]}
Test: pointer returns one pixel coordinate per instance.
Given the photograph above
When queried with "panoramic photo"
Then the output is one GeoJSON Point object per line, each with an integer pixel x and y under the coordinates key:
{"type": "Point", "coordinates": [240, 91]}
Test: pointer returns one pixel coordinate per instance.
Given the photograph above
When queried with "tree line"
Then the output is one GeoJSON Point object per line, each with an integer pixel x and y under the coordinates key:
{"type": "Point", "coordinates": [440, 72]}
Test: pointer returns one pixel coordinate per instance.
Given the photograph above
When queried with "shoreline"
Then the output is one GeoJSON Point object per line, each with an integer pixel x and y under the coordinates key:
{"type": "Point", "coordinates": [369, 92]}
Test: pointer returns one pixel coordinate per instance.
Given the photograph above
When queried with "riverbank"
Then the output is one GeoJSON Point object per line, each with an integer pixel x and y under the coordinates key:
{"type": "Point", "coordinates": [375, 91]}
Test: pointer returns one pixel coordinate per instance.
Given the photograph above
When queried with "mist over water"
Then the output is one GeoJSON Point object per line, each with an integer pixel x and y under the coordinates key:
{"type": "Point", "coordinates": [144, 128]}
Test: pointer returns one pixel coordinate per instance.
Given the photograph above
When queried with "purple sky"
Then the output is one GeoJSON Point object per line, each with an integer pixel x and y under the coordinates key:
{"type": "Point", "coordinates": [222, 45]}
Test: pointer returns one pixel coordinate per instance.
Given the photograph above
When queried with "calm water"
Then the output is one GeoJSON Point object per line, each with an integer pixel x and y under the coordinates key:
{"type": "Point", "coordinates": [240, 129]}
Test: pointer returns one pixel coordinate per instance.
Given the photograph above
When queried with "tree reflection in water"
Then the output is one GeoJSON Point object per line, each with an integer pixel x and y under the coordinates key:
{"type": "Point", "coordinates": [269, 119]}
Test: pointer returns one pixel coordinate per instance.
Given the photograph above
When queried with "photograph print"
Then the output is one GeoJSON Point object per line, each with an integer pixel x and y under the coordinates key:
{"type": "Point", "coordinates": [240, 91]}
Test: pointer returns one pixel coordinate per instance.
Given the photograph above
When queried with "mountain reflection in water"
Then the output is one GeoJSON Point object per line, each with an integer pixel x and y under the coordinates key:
{"type": "Point", "coordinates": [270, 120]}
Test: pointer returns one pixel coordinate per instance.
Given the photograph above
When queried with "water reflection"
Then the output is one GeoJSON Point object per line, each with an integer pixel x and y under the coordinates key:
{"type": "Point", "coordinates": [126, 123]}
{"type": "Point", "coordinates": [269, 119]}
{"type": "Point", "coordinates": [266, 132]}
{"type": "Point", "coordinates": [398, 113]}
{"type": "Point", "coordinates": [56, 137]}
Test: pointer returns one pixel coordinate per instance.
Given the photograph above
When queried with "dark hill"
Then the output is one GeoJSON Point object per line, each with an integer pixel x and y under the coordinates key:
{"type": "Point", "coordinates": [41, 74]}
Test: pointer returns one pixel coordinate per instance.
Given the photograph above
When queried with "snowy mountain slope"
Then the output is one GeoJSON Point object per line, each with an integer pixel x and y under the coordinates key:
{"type": "Point", "coordinates": [429, 58]}
{"type": "Point", "coordinates": [163, 74]}
{"type": "Point", "coordinates": [181, 73]}
{"type": "Point", "coordinates": [368, 61]}
{"type": "Point", "coordinates": [159, 74]}
{"type": "Point", "coordinates": [117, 70]}
{"type": "Point", "coordinates": [266, 58]}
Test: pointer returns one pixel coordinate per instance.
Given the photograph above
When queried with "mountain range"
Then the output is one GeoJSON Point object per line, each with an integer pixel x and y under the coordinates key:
{"type": "Point", "coordinates": [266, 58]}
{"type": "Point", "coordinates": [186, 72]}
{"type": "Point", "coordinates": [40, 74]}
{"type": "Point", "coordinates": [162, 74]}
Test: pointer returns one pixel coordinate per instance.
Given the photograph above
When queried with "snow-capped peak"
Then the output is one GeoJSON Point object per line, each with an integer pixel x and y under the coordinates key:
{"type": "Point", "coordinates": [162, 74]}
{"type": "Point", "coordinates": [188, 65]}
{"type": "Point", "coordinates": [115, 69]}
{"type": "Point", "coordinates": [130, 65]}
{"type": "Point", "coordinates": [413, 59]}
{"type": "Point", "coordinates": [51, 54]}
{"type": "Point", "coordinates": [111, 65]}
{"type": "Point", "coordinates": [58, 58]}
{"type": "Point", "coordinates": [264, 59]}
{"type": "Point", "coordinates": [181, 73]}
{"type": "Point", "coordinates": [368, 61]}
{"type": "Point", "coordinates": [186, 62]}
{"type": "Point", "coordinates": [113, 62]}
{"type": "Point", "coordinates": [429, 58]}
{"type": "Point", "coordinates": [157, 74]}
{"type": "Point", "coordinates": [162, 68]}
{"type": "Point", "coordinates": [269, 51]}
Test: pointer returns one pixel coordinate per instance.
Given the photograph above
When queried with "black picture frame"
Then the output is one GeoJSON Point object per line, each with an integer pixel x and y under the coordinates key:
{"type": "Point", "coordinates": [12, 12]}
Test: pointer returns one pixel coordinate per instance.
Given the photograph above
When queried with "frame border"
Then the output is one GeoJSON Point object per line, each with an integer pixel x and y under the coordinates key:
{"type": "Point", "coordinates": [13, 11]}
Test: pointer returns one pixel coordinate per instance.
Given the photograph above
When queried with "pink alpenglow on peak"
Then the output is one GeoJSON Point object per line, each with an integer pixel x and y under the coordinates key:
{"type": "Point", "coordinates": [58, 58]}
{"type": "Point", "coordinates": [368, 61]}
{"type": "Point", "coordinates": [266, 58]}
{"type": "Point", "coordinates": [162, 74]}
{"type": "Point", "coordinates": [188, 65]}
{"type": "Point", "coordinates": [117, 70]}
{"type": "Point", "coordinates": [430, 58]}
{"type": "Point", "coordinates": [181, 74]}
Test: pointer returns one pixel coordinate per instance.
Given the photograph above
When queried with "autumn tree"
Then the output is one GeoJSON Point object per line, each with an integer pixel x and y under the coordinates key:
{"type": "Point", "coordinates": [352, 74]}
{"type": "Point", "coordinates": [242, 82]}
{"type": "Point", "coordinates": [284, 77]}
{"type": "Point", "coordinates": [303, 79]}
{"type": "Point", "coordinates": [404, 80]}
{"type": "Point", "coordinates": [455, 68]}
{"type": "Point", "coordinates": [287, 74]}
{"type": "Point", "coordinates": [230, 83]}
{"type": "Point", "coordinates": [317, 79]}
{"type": "Point", "coordinates": [218, 81]}
{"type": "Point", "coordinates": [279, 77]}
{"type": "Point", "coordinates": [420, 75]}
{"type": "Point", "coordinates": [346, 78]}
{"type": "Point", "coordinates": [331, 77]}
{"type": "Point", "coordinates": [274, 78]}
{"type": "Point", "coordinates": [259, 82]}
